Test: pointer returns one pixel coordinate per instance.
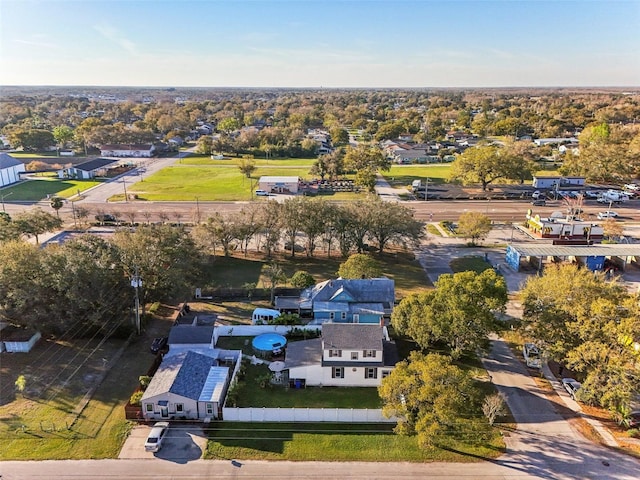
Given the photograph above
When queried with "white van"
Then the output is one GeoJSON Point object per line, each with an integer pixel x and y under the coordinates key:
{"type": "Point", "coordinates": [262, 316]}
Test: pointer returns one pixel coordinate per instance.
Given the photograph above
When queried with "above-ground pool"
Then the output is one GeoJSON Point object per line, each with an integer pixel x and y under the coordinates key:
{"type": "Point", "coordinates": [268, 343]}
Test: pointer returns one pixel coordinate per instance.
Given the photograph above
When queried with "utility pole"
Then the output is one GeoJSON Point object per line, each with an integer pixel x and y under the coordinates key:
{"type": "Point", "coordinates": [124, 184]}
{"type": "Point", "coordinates": [136, 282]}
{"type": "Point", "coordinates": [3, 197]}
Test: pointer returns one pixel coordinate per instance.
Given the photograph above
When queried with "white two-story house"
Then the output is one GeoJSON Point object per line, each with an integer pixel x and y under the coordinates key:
{"type": "Point", "coordinates": [347, 355]}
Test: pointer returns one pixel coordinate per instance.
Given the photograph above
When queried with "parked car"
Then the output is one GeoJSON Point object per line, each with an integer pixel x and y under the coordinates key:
{"type": "Point", "coordinates": [591, 193]}
{"type": "Point", "coordinates": [571, 386]}
{"type": "Point", "coordinates": [156, 436]}
{"type": "Point", "coordinates": [105, 217]}
{"type": "Point", "coordinates": [539, 202]}
{"type": "Point", "coordinates": [262, 193]}
{"type": "Point", "coordinates": [632, 186]}
{"type": "Point", "coordinates": [536, 195]}
{"type": "Point", "coordinates": [158, 344]}
{"type": "Point", "coordinates": [607, 214]}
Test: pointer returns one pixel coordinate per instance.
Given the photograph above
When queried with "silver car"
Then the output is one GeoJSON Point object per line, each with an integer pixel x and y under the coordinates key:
{"type": "Point", "coordinates": [156, 436]}
{"type": "Point", "coordinates": [571, 386]}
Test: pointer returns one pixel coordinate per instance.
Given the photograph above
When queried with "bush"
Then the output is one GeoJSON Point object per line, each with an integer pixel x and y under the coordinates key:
{"type": "Point", "coordinates": [136, 398]}
{"type": "Point", "coordinates": [144, 381]}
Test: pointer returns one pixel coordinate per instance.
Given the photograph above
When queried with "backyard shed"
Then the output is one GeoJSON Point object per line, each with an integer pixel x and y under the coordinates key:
{"type": "Point", "coordinates": [16, 340]}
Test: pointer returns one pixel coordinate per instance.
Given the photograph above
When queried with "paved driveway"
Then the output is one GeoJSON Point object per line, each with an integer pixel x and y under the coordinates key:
{"type": "Point", "coordinates": [183, 443]}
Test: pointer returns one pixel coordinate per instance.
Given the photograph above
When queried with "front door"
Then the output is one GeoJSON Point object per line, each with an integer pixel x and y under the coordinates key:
{"type": "Point", "coordinates": [164, 412]}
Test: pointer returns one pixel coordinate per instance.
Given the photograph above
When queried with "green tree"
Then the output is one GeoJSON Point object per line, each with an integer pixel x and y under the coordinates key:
{"type": "Point", "coordinates": [21, 384]}
{"type": "Point", "coordinates": [36, 222]}
{"type": "Point", "coordinates": [204, 145]}
{"type": "Point", "coordinates": [56, 203]}
{"type": "Point", "coordinates": [302, 279]}
{"type": "Point", "coordinates": [365, 157]}
{"type": "Point", "coordinates": [589, 324]}
{"type": "Point", "coordinates": [392, 223]}
{"type": "Point", "coordinates": [228, 125]}
{"type": "Point", "coordinates": [431, 397]}
{"type": "Point", "coordinates": [330, 165]}
{"type": "Point", "coordinates": [360, 265]}
{"type": "Point", "coordinates": [62, 134]}
{"type": "Point", "coordinates": [274, 275]}
{"type": "Point", "coordinates": [247, 166]}
{"type": "Point", "coordinates": [474, 225]}
{"type": "Point", "coordinates": [479, 164]}
{"type": "Point", "coordinates": [31, 139]}
{"type": "Point", "coordinates": [460, 311]}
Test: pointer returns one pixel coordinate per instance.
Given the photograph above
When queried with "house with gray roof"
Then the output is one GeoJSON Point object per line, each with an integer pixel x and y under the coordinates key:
{"type": "Point", "coordinates": [84, 171]}
{"type": "Point", "coordinates": [347, 355]}
{"type": "Point", "coordinates": [190, 385]}
{"type": "Point", "coordinates": [10, 169]}
{"type": "Point", "coordinates": [367, 300]}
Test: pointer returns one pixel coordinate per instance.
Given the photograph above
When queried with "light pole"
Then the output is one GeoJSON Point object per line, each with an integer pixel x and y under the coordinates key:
{"type": "Point", "coordinates": [124, 184]}
{"type": "Point", "coordinates": [426, 189]}
{"type": "Point", "coordinates": [3, 197]}
{"type": "Point", "coordinates": [197, 209]}
{"type": "Point", "coordinates": [136, 282]}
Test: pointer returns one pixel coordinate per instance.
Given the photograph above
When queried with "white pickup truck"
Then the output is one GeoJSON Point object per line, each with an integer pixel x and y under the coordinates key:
{"type": "Point", "coordinates": [614, 196]}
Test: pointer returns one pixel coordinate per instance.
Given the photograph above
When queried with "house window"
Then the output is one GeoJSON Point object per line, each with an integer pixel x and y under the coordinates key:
{"type": "Point", "coordinates": [343, 315]}
{"type": "Point", "coordinates": [149, 407]}
{"type": "Point", "coordinates": [179, 407]}
{"type": "Point", "coordinates": [354, 355]}
{"type": "Point", "coordinates": [386, 373]}
{"type": "Point", "coordinates": [369, 353]}
{"type": "Point", "coordinates": [335, 353]}
{"type": "Point", "coordinates": [332, 315]}
{"type": "Point", "coordinates": [337, 372]}
{"type": "Point", "coordinates": [356, 318]}
{"type": "Point", "coordinates": [209, 407]}
{"type": "Point", "coordinates": [370, 373]}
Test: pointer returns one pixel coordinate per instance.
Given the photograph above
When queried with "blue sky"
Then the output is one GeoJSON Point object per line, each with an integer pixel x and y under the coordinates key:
{"type": "Point", "coordinates": [330, 43]}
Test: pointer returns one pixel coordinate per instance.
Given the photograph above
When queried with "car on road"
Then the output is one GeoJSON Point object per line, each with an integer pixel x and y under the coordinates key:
{"type": "Point", "coordinates": [156, 437]}
{"type": "Point", "coordinates": [105, 218]}
{"type": "Point", "coordinates": [262, 193]}
{"type": "Point", "coordinates": [571, 386]}
{"type": "Point", "coordinates": [539, 202]}
{"type": "Point", "coordinates": [607, 214]}
{"type": "Point", "coordinates": [159, 343]}
{"type": "Point", "coordinates": [536, 195]}
{"type": "Point", "coordinates": [632, 186]}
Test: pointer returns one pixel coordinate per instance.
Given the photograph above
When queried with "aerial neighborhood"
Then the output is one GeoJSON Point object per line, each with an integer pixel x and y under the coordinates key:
{"type": "Point", "coordinates": [386, 264]}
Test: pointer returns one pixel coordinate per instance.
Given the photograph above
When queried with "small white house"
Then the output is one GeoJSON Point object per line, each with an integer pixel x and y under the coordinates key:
{"type": "Point", "coordinates": [137, 151]}
{"type": "Point", "coordinates": [10, 169]}
{"type": "Point", "coordinates": [279, 184]}
{"type": "Point", "coordinates": [188, 386]}
{"type": "Point", "coordinates": [97, 167]}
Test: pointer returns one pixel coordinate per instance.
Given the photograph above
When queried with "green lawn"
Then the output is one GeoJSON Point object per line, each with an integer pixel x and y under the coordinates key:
{"type": "Point", "coordinates": [36, 190]}
{"type": "Point", "coordinates": [208, 183]}
{"type": "Point", "coordinates": [334, 442]}
{"type": "Point", "coordinates": [472, 263]}
{"type": "Point", "coordinates": [402, 175]}
{"type": "Point", "coordinates": [250, 394]}
{"type": "Point", "coordinates": [198, 159]}
{"type": "Point", "coordinates": [234, 272]}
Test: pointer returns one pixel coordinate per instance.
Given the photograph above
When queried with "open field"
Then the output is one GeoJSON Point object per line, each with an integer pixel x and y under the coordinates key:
{"type": "Point", "coordinates": [402, 175]}
{"type": "Point", "coordinates": [335, 442]}
{"type": "Point", "coordinates": [235, 271]}
{"type": "Point", "coordinates": [36, 190]}
{"type": "Point", "coordinates": [199, 159]}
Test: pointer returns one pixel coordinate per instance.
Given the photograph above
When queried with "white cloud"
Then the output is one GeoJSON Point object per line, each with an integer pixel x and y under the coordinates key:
{"type": "Point", "coordinates": [113, 34]}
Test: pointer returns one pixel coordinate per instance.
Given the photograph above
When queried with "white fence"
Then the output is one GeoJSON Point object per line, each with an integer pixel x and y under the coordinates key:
{"type": "Point", "coordinates": [338, 415]}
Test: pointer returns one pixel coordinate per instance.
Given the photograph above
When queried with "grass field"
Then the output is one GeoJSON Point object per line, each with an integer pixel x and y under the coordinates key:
{"type": "Point", "coordinates": [472, 263]}
{"type": "Point", "coordinates": [234, 272]}
{"type": "Point", "coordinates": [207, 183]}
{"type": "Point", "coordinates": [198, 159]}
{"type": "Point", "coordinates": [335, 442]}
{"type": "Point", "coordinates": [402, 175]}
{"type": "Point", "coordinates": [36, 190]}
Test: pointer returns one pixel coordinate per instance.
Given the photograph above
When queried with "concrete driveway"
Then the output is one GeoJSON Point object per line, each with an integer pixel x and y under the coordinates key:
{"type": "Point", "coordinates": [183, 443]}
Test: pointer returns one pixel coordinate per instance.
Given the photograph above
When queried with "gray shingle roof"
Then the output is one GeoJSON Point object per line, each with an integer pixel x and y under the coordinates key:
{"type": "Point", "coordinates": [352, 336]}
{"type": "Point", "coordinates": [7, 161]}
{"type": "Point", "coordinates": [304, 353]}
